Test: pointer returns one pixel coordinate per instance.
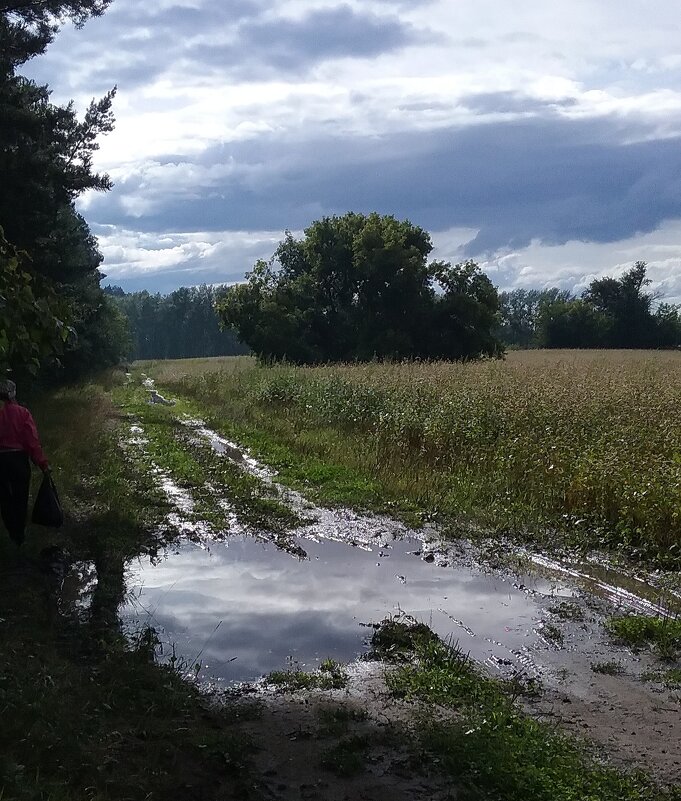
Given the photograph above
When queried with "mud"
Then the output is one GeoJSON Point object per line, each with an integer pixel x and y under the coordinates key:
{"type": "Point", "coordinates": [231, 607]}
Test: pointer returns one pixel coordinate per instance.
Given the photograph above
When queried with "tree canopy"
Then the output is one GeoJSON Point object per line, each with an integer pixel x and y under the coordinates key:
{"type": "Point", "coordinates": [611, 313]}
{"type": "Point", "coordinates": [359, 287]}
{"type": "Point", "coordinates": [46, 162]}
{"type": "Point", "coordinates": [180, 325]}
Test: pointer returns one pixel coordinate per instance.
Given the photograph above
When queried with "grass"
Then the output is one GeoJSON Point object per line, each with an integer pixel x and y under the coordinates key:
{"type": "Point", "coordinates": [195, 466]}
{"type": "Point", "coordinates": [609, 668]}
{"type": "Point", "coordinates": [330, 676]}
{"type": "Point", "coordinates": [637, 631]}
{"type": "Point", "coordinates": [489, 747]}
{"type": "Point", "coordinates": [336, 720]}
{"type": "Point", "coordinates": [580, 447]}
{"type": "Point", "coordinates": [553, 634]}
{"type": "Point", "coordinates": [86, 713]}
{"type": "Point", "coordinates": [670, 678]}
{"type": "Point", "coordinates": [566, 610]}
{"type": "Point", "coordinates": [348, 756]}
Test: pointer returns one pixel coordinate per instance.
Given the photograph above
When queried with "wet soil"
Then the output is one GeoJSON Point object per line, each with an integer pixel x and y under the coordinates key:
{"type": "Point", "coordinates": [231, 606]}
{"type": "Point", "coordinates": [294, 742]}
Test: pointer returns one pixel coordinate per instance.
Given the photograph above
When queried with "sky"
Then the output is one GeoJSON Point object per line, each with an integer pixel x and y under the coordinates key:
{"type": "Point", "coordinates": [541, 138]}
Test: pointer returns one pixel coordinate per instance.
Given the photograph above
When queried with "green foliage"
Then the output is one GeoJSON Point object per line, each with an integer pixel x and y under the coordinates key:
{"type": "Point", "coordinates": [28, 26]}
{"type": "Point", "coordinates": [519, 311]}
{"type": "Point", "coordinates": [612, 313]}
{"type": "Point", "coordinates": [348, 757]}
{"type": "Point", "coordinates": [357, 288]}
{"type": "Point", "coordinates": [664, 633]}
{"type": "Point", "coordinates": [330, 676]}
{"type": "Point", "coordinates": [670, 678]}
{"type": "Point", "coordinates": [33, 319]}
{"type": "Point", "coordinates": [579, 449]}
{"type": "Point", "coordinates": [492, 749]}
{"type": "Point", "coordinates": [610, 668]}
{"type": "Point", "coordinates": [183, 324]}
{"type": "Point", "coordinates": [46, 162]}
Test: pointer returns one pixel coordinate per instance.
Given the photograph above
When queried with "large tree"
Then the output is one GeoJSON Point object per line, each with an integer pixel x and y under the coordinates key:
{"type": "Point", "coordinates": [359, 287]}
{"type": "Point", "coordinates": [28, 26]}
{"type": "Point", "coordinates": [46, 155]}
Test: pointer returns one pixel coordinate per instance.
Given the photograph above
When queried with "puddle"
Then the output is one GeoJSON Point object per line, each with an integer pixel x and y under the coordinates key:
{"type": "Point", "coordinates": [243, 607]}
{"type": "Point", "coordinates": [642, 594]}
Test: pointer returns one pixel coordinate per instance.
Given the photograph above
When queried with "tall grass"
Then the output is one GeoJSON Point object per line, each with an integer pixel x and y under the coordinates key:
{"type": "Point", "coordinates": [587, 443]}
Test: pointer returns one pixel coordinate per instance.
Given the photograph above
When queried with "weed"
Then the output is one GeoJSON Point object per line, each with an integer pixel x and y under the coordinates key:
{"type": "Point", "coordinates": [566, 610]}
{"type": "Point", "coordinates": [331, 676]}
{"type": "Point", "coordinates": [663, 633]}
{"type": "Point", "coordinates": [347, 757]}
{"type": "Point", "coordinates": [396, 639]}
{"type": "Point", "coordinates": [670, 678]}
{"type": "Point", "coordinates": [553, 634]}
{"type": "Point", "coordinates": [610, 668]}
{"type": "Point", "coordinates": [581, 448]}
{"type": "Point", "coordinates": [492, 750]}
{"type": "Point", "coordinates": [335, 720]}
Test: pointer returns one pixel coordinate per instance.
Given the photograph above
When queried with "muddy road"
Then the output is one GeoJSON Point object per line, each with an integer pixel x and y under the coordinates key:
{"type": "Point", "coordinates": [231, 603]}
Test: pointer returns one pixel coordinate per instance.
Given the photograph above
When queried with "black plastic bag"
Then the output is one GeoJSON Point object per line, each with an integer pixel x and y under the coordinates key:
{"type": "Point", "coordinates": [47, 509]}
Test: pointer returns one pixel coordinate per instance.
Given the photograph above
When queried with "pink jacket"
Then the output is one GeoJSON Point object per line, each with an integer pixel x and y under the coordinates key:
{"type": "Point", "coordinates": [19, 433]}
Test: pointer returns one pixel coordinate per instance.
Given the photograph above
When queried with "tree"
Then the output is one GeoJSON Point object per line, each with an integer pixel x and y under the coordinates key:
{"type": "Point", "coordinates": [32, 316]}
{"type": "Point", "coordinates": [626, 306]}
{"type": "Point", "coordinates": [46, 162]}
{"type": "Point", "coordinates": [28, 26]}
{"type": "Point", "coordinates": [359, 287]}
{"type": "Point", "coordinates": [612, 313]}
{"type": "Point", "coordinates": [519, 313]}
{"type": "Point", "coordinates": [572, 324]}
{"type": "Point", "coordinates": [183, 324]}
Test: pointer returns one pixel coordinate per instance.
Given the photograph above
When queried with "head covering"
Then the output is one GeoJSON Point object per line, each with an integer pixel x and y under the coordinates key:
{"type": "Point", "coordinates": [8, 389]}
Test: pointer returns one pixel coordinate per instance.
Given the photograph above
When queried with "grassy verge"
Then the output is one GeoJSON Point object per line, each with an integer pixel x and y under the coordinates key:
{"type": "Point", "coordinates": [330, 676]}
{"type": "Point", "coordinates": [87, 715]}
{"type": "Point", "coordinates": [586, 446]}
{"type": "Point", "coordinates": [194, 466]}
{"type": "Point", "coordinates": [662, 633]}
{"type": "Point", "coordinates": [482, 740]}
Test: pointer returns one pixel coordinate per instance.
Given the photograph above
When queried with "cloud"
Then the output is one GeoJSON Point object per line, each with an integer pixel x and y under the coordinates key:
{"type": "Point", "coordinates": [268, 47]}
{"type": "Point", "coordinates": [513, 103]}
{"type": "Point", "coordinates": [241, 40]}
{"type": "Point", "coordinates": [137, 260]}
{"type": "Point", "coordinates": [546, 179]}
{"type": "Point", "coordinates": [254, 116]}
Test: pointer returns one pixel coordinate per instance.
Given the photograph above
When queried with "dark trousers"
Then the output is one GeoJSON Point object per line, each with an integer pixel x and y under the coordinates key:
{"type": "Point", "coordinates": [15, 482]}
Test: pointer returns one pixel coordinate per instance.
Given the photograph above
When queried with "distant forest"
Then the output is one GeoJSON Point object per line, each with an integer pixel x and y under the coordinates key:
{"type": "Point", "coordinates": [611, 313]}
{"type": "Point", "coordinates": [183, 324]}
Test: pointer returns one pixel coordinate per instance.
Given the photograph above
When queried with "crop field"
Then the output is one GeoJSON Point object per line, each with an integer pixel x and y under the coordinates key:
{"type": "Point", "coordinates": [580, 445]}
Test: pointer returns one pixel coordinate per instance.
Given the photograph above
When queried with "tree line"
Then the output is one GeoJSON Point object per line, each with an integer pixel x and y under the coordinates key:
{"type": "Point", "coordinates": [53, 313]}
{"type": "Point", "coordinates": [358, 287]}
{"type": "Point", "coordinates": [610, 313]}
{"type": "Point", "coordinates": [183, 324]}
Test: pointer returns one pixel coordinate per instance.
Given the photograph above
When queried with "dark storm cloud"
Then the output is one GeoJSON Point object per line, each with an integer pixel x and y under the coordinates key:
{"type": "Point", "coordinates": [136, 45]}
{"type": "Point", "coordinates": [544, 178]}
{"type": "Point", "coordinates": [292, 45]}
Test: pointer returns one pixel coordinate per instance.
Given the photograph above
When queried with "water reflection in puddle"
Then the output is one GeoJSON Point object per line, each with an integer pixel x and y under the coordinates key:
{"type": "Point", "coordinates": [243, 607]}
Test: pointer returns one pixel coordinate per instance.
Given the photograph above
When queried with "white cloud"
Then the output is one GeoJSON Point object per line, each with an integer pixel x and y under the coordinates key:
{"type": "Point", "coordinates": [195, 77]}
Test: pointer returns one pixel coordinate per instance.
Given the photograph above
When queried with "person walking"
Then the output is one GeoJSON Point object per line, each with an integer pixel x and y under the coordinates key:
{"type": "Point", "coordinates": [19, 442]}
